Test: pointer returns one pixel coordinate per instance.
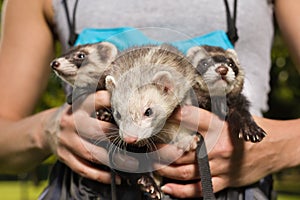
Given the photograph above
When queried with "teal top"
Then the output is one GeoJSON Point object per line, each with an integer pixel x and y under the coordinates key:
{"type": "Point", "coordinates": [126, 37]}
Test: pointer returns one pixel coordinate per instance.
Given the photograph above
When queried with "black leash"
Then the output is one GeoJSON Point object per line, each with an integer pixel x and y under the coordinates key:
{"type": "Point", "coordinates": [201, 152]}
{"type": "Point", "coordinates": [231, 22]}
{"type": "Point", "coordinates": [113, 185]}
{"type": "Point", "coordinates": [72, 24]}
{"type": "Point", "coordinates": [232, 32]}
{"type": "Point", "coordinates": [204, 170]}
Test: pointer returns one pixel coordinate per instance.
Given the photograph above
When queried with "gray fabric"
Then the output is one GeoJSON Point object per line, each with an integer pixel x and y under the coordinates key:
{"type": "Point", "coordinates": [182, 19]}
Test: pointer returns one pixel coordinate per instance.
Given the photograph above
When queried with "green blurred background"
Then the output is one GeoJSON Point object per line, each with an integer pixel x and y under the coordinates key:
{"type": "Point", "coordinates": [283, 101]}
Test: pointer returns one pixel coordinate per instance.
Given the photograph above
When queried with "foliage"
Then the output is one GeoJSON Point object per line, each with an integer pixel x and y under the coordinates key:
{"type": "Point", "coordinates": [285, 83]}
{"type": "Point", "coordinates": [54, 95]}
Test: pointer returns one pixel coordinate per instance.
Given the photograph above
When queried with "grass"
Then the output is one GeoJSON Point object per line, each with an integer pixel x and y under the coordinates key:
{"type": "Point", "coordinates": [20, 190]}
{"type": "Point", "coordinates": [288, 197]}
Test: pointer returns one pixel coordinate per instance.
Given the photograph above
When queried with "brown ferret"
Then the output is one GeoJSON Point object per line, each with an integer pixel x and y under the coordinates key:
{"type": "Point", "coordinates": [219, 86]}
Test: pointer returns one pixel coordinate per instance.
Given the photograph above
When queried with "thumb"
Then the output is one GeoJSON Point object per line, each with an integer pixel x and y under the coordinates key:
{"type": "Point", "coordinates": [193, 118]}
{"type": "Point", "coordinates": [209, 125]}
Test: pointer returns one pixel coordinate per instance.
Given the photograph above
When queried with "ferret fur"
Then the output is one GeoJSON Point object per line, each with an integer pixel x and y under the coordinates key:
{"type": "Point", "coordinates": [83, 65]}
{"type": "Point", "coordinates": [147, 84]}
{"type": "Point", "coordinates": [219, 85]}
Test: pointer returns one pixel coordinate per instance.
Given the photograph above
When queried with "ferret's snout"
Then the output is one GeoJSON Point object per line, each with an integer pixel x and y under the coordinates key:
{"type": "Point", "coordinates": [222, 70]}
{"type": "Point", "coordinates": [54, 64]}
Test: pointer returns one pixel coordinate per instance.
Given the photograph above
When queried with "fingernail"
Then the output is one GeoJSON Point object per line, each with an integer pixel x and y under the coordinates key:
{"type": "Point", "coordinates": [166, 189]}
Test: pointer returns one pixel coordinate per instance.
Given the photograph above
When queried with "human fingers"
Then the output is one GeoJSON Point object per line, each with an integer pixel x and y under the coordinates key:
{"type": "Point", "coordinates": [183, 191]}
{"type": "Point", "coordinates": [83, 167]}
{"type": "Point", "coordinates": [87, 140]}
{"type": "Point", "coordinates": [209, 125]}
{"type": "Point", "coordinates": [178, 172]}
{"type": "Point", "coordinates": [191, 117]}
{"type": "Point", "coordinates": [67, 138]}
{"type": "Point", "coordinates": [192, 190]}
{"type": "Point", "coordinates": [195, 118]}
{"type": "Point", "coordinates": [92, 102]}
{"type": "Point", "coordinates": [76, 148]}
{"type": "Point", "coordinates": [71, 149]}
{"type": "Point", "coordinates": [78, 153]}
{"type": "Point", "coordinates": [92, 128]}
{"type": "Point", "coordinates": [169, 153]}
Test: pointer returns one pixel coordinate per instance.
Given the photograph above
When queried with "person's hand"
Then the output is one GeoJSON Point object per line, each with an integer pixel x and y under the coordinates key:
{"type": "Point", "coordinates": [65, 133]}
{"type": "Point", "coordinates": [233, 162]}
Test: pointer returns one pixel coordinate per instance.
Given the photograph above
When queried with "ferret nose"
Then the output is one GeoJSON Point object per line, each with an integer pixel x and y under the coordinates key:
{"type": "Point", "coordinates": [130, 139]}
{"type": "Point", "coordinates": [54, 64]}
{"type": "Point", "coordinates": [222, 70]}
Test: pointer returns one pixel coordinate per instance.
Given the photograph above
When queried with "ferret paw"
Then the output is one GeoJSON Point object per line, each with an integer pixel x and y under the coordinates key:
{"type": "Point", "coordinates": [104, 115]}
{"type": "Point", "coordinates": [188, 143]}
{"type": "Point", "coordinates": [148, 185]}
{"type": "Point", "coordinates": [252, 132]}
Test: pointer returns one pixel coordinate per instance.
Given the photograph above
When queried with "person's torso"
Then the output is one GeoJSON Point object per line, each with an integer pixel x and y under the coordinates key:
{"type": "Point", "coordinates": [182, 19]}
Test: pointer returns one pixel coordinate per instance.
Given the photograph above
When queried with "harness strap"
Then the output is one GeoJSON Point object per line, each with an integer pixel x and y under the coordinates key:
{"type": "Point", "coordinates": [72, 24]}
{"type": "Point", "coordinates": [204, 170]}
{"type": "Point", "coordinates": [231, 22]}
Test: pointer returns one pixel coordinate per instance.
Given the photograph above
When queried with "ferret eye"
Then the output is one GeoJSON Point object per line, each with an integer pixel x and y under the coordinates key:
{"type": "Point", "coordinates": [148, 112]}
{"type": "Point", "coordinates": [203, 66]}
{"type": "Point", "coordinates": [81, 55]}
{"type": "Point", "coordinates": [230, 63]}
{"type": "Point", "coordinates": [204, 63]}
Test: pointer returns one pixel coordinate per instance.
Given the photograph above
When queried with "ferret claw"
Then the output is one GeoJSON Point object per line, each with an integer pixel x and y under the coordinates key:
{"type": "Point", "coordinates": [151, 189]}
{"type": "Point", "coordinates": [247, 138]}
{"type": "Point", "coordinates": [258, 138]}
{"type": "Point", "coordinates": [148, 185]}
{"type": "Point", "coordinates": [253, 133]}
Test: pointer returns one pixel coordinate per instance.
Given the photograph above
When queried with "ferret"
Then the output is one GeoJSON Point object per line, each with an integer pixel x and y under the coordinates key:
{"type": "Point", "coordinates": [83, 65]}
{"type": "Point", "coordinates": [147, 84]}
{"type": "Point", "coordinates": [219, 85]}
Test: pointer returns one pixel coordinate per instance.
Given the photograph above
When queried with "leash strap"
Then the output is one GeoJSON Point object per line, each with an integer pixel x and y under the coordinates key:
{"type": "Point", "coordinates": [231, 22]}
{"type": "Point", "coordinates": [113, 185]}
{"type": "Point", "coordinates": [72, 24]}
{"type": "Point", "coordinates": [205, 175]}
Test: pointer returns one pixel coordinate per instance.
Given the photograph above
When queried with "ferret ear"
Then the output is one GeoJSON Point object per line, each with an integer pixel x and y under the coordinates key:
{"type": "Point", "coordinates": [107, 51]}
{"type": "Point", "coordinates": [195, 54]}
{"type": "Point", "coordinates": [232, 54]}
{"type": "Point", "coordinates": [110, 83]}
{"type": "Point", "coordinates": [164, 80]}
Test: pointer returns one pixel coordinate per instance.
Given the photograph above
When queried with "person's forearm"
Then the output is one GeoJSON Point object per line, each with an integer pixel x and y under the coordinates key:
{"type": "Point", "coordinates": [22, 143]}
{"type": "Point", "coordinates": [287, 15]}
{"type": "Point", "coordinates": [282, 142]}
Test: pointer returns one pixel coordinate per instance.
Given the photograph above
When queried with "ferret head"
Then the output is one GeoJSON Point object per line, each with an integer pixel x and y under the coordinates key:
{"type": "Point", "coordinates": [83, 65]}
{"type": "Point", "coordinates": [140, 102]}
{"type": "Point", "coordinates": [219, 70]}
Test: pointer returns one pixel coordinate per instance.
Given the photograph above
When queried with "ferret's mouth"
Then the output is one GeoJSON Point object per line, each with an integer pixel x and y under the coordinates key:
{"type": "Point", "coordinates": [221, 78]}
{"type": "Point", "coordinates": [65, 74]}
